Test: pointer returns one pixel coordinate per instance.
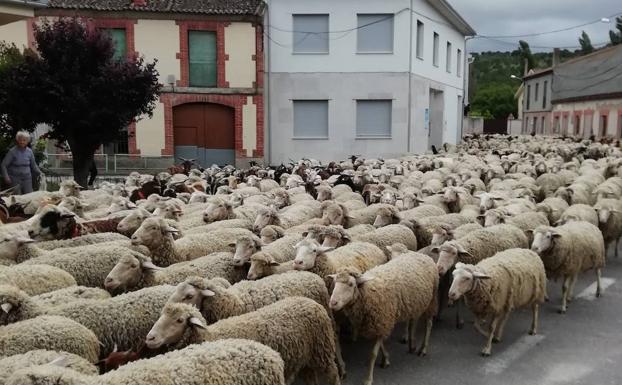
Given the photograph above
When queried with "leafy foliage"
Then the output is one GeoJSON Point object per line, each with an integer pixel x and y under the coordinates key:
{"type": "Point", "coordinates": [495, 100]}
{"type": "Point", "coordinates": [616, 37]}
{"type": "Point", "coordinates": [586, 43]}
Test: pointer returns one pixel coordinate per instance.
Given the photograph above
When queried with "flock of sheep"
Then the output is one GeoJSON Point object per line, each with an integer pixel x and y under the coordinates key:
{"type": "Point", "coordinates": [257, 283]}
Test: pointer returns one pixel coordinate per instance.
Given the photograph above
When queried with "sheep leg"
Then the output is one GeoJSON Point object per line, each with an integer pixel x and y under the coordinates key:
{"type": "Point", "coordinates": [598, 288]}
{"type": "Point", "coordinates": [499, 332]}
{"type": "Point", "coordinates": [309, 376]}
{"type": "Point", "coordinates": [341, 365]}
{"type": "Point", "coordinates": [412, 328]}
{"type": "Point", "coordinates": [479, 328]}
{"type": "Point", "coordinates": [617, 246]}
{"type": "Point", "coordinates": [493, 327]}
{"type": "Point", "coordinates": [571, 288]}
{"type": "Point", "coordinates": [459, 320]}
{"type": "Point", "coordinates": [565, 293]}
{"type": "Point", "coordinates": [406, 337]}
{"type": "Point", "coordinates": [534, 320]}
{"type": "Point", "coordinates": [372, 362]}
{"type": "Point", "coordinates": [426, 339]}
{"type": "Point", "coordinates": [384, 361]}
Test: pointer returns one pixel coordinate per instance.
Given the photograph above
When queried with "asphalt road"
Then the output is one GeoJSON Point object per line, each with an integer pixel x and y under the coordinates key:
{"type": "Point", "coordinates": [584, 346]}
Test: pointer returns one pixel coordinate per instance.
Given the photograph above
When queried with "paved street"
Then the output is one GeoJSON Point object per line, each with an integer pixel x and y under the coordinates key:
{"type": "Point", "coordinates": [583, 346]}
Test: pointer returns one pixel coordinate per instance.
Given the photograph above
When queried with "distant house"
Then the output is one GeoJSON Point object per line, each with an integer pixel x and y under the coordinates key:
{"type": "Point", "coordinates": [210, 60]}
{"type": "Point", "coordinates": [537, 88]}
{"type": "Point", "coordinates": [587, 95]}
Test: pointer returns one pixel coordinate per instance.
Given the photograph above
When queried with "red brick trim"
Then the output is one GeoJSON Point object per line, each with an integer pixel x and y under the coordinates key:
{"type": "Point", "coordinates": [259, 56]}
{"type": "Point", "coordinates": [131, 139]}
{"type": "Point", "coordinates": [30, 32]}
{"type": "Point", "coordinates": [171, 100]}
{"type": "Point", "coordinates": [126, 24]}
{"type": "Point", "coordinates": [183, 55]}
{"type": "Point", "coordinates": [259, 151]}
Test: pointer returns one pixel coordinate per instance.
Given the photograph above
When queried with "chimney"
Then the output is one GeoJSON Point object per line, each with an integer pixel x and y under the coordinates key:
{"type": "Point", "coordinates": [139, 3]}
{"type": "Point", "coordinates": [556, 57]}
{"type": "Point", "coordinates": [526, 66]}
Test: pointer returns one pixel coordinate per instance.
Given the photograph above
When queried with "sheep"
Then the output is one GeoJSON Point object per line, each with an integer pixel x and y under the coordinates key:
{"type": "Point", "coordinates": [425, 227]}
{"type": "Point", "coordinates": [264, 185]}
{"type": "Point", "coordinates": [61, 297]}
{"type": "Point", "coordinates": [219, 209]}
{"type": "Point", "coordinates": [225, 224]}
{"type": "Point", "coordinates": [456, 198]}
{"type": "Point", "coordinates": [137, 272]}
{"type": "Point", "coordinates": [155, 234]}
{"type": "Point", "coordinates": [576, 193]}
{"type": "Point", "coordinates": [443, 233]}
{"type": "Point", "coordinates": [311, 256]}
{"type": "Point", "coordinates": [271, 233]}
{"type": "Point", "coordinates": [497, 285]}
{"type": "Point", "coordinates": [366, 215]}
{"type": "Point", "coordinates": [49, 332]}
{"type": "Point", "coordinates": [10, 365]}
{"type": "Point", "coordinates": [36, 279]}
{"type": "Point", "coordinates": [391, 215]}
{"type": "Point", "coordinates": [88, 265]}
{"type": "Point", "coordinates": [263, 265]}
{"type": "Point", "coordinates": [553, 208]}
{"type": "Point", "coordinates": [479, 245]}
{"type": "Point", "coordinates": [297, 328]}
{"type": "Point", "coordinates": [527, 222]}
{"type": "Point", "coordinates": [579, 212]}
{"type": "Point", "coordinates": [403, 289]}
{"type": "Point", "coordinates": [123, 320]}
{"type": "Point", "coordinates": [132, 222]}
{"type": "Point", "coordinates": [217, 301]}
{"type": "Point", "coordinates": [225, 362]}
{"type": "Point", "coordinates": [549, 183]}
{"type": "Point", "coordinates": [568, 250]}
{"type": "Point", "coordinates": [336, 236]}
{"type": "Point", "coordinates": [282, 249]}
{"type": "Point", "coordinates": [293, 216]}
{"type": "Point", "coordinates": [610, 221]}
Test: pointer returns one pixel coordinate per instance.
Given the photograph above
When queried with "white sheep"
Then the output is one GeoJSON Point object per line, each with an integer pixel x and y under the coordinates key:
{"type": "Point", "coordinates": [579, 212]}
{"type": "Point", "coordinates": [610, 221]}
{"type": "Point", "coordinates": [497, 285]}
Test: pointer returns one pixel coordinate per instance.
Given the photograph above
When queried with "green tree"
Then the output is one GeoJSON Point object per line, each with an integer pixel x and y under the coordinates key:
{"type": "Point", "coordinates": [586, 43]}
{"type": "Point", "coordinates": [525, 53]}
{"type": "Point", "coordinates": [616, 37]}
{"type": "Point", "coordinates": [75, 85]}
{"type": "Point", "coordinates": [495, 100]}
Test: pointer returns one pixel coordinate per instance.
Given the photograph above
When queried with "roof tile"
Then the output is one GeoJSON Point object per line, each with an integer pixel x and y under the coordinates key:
{"type": "Point", "coordinates": [220, 7]}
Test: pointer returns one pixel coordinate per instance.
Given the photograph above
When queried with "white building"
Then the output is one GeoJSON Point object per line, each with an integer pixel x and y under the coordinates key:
{"type": "Point", "coordinates": [379, 78]}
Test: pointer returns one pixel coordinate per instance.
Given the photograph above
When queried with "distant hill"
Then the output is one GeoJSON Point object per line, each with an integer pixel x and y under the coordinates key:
{"type": "Point", "coordinates": [491, 89]}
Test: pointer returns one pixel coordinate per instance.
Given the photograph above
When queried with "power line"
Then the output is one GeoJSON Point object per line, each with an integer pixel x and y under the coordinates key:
{"type": "Point", "coordinates": [515, 43]}
{"type": "Point", "coordinates": [550, 32]}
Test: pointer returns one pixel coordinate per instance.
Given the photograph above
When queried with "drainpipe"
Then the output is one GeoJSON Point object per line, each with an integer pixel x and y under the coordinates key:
{"type": "Point", "coordinates": [410, 83]}
{"type": "Point", "coordinates": [267, 131]}
{"type": "Point", "coordinates": [465, 85]}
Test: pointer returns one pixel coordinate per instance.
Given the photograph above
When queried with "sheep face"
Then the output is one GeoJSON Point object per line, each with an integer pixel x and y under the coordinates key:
{"type": "Point", "coordinates": [198, 197]}
{"type": "Point", "coordinates": [217, 211]}
{"type": "Point", "coordinates": [10, 244]}
{"type": "Point", "coordinates": [261, 264]}
{"type": "Point", "coordinates": [307, 252]}
{"type": "Point", "coordinates": [52, 224]}
{"type": "Point", "coordinates": [152, 231]}
{"type": "Point", "coordinates": [252, 181]}
{"type": "Point", "coordinates": [236, 200]}
{"type": "Point", "coordinates": [172, 324]}
{"type": "Point", "coordinates": [333, 215]}
{"type": "Point", "coordinates": [132, 222]}
{"type": "Point", "coordinates": [120, 204]}
{"type": "Point", "coordinates": [440, 236]}
{"type": "Point", "coordinates": [389, 198]}
{"type": "Point", "coordinates": [564, 193]}
{"type": "Point", "coordinates": [493, 217]}
{"type": "Point", "coordinates": [168, 211]}
{"type": "Point", "coordinates": [410, 201]}
{"type": "Point", "coordinates": [324, 193]}
{"type": "Point", "coordinates": [190, 294]}
{"type": "Point", "coordinates": [335, 237]}
{"type": "Point", "coordinates": [487, 201]}
{"type": "Point", "coordinates": [448, 254]}
{"type": "Point", "coordinates": [465, 278]}
{"type": "Point", "coordinates": [244, 248]}
{"type": "Point", "coordinates": [281, 199]}
{"type": "Point", "coordinates": [269, 235]}
{"type": "Point", "coordinates": [344, 292]}
{"type": "Point", "coordinates": [127, 273]}
{"type": "Point", "coordinates": [603, 215]}
{"type": "Point", "coordinates": [265, 218]}
{"type": "Point", "coordinates": [72, 204]}
{"type": "Point", "coordinates": [544, 239]}
{"type": "Point", "coordinates": [70, 188]}
{"type": "Point", "coordinates": [386, 217]}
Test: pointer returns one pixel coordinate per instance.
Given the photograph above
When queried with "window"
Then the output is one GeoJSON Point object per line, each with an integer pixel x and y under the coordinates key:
{"type": "Point", "coordinates": [375, 33]}
{"type": "Point", "coordinates": [528, 98]}
{"type": "Point", "coordinates": [534, 125]}
{"type": "Point", "coordinates": [373, 118]}
{"type": "Point", "coordinates": [435, 51]}
{"type": "Point", "coordinates": [544, 92]}
{"type": "Point", "coordinates": [565, 124]}
{"type": "Point", "coordinates": [556, 125]}
{"type": "Point", "coordinates": [603, 125]}
{"type": "Point", "coordinates": [543, 128]}
{"type": "Point", "coordinates": [311, 34]}
{"type": "Point", "coordinates": [577, 124]}
{"type": "Point", "coordinates": [448, 64]}
{"type": "Point", "coordinates": [459, 63]}
{"type": "Point", "coordinates": [311, 119]}
{"type": "Point", "coordinates": [420, 39]}
{"type": "Point", "coordinates": [202, 59]}
{"type": "Point", "coordinates": [619, 134]}
{"type": "Point", "coordinates": [119, 40]}
{"type": "Point", "coordinates": [537, 92]}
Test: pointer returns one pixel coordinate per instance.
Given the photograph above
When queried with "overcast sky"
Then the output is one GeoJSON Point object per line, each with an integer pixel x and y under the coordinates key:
{"type": "Point", "coordinates": [518, 17]}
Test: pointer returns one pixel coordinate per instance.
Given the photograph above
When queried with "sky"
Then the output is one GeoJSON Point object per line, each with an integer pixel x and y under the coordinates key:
{"type": "Point", "coordinates": [519, 17]}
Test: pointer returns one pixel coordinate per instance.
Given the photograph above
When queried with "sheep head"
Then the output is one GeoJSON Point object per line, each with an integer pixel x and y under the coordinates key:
{"type": "Point", "coordinates": [175, 321]}
{"type": "Point", "coordinates": [347, 282]}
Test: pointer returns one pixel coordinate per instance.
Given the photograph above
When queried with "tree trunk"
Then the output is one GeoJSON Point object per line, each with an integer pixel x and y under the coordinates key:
{"type": "Point", "coordinates": [82, 158]}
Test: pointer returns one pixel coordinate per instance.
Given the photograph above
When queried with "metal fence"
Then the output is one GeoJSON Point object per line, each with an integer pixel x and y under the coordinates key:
{"type": "Point", "coordinates": [112, 163]}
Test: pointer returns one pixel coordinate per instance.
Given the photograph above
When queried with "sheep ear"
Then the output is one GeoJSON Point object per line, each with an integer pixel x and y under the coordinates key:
{"type": "Point", "coordinates": [67, 215]}
{"type": "Point", "coordinates": [304, 234]}
{"type": "Point", "coordinates": [115, 348]}
{"type": "Point", "coordinates": [60, 361]}
{"type": "Point", "coordinates": [6, 307]}
{"type": "Point", "coordinates": [479, 275]}
{"type": "Point", "coordinates": [149, 265]}
{"type": "Point", "coordinates": [332, 276]}
{"type": "Point", "coordinates": [207, 293]}
{"type": "Point", "coordinates": [194, 321]}
{"type": "Point", "coordinates": [24, 240]}
{"type": "Point", "coordinates": [556, 235]}
{"type": "Point", "coordinates": [273, 263]}
{"type": "Point", "coordinates": [529, 231]}
{"type": "Point", "coordinates": [324, 249]}
{"type": "Point", "coordinates": [362, 279]}
{"type": "Point", "coordinates": [435, 249]}
{"type": "Point", "coordinates": [232, 245]}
